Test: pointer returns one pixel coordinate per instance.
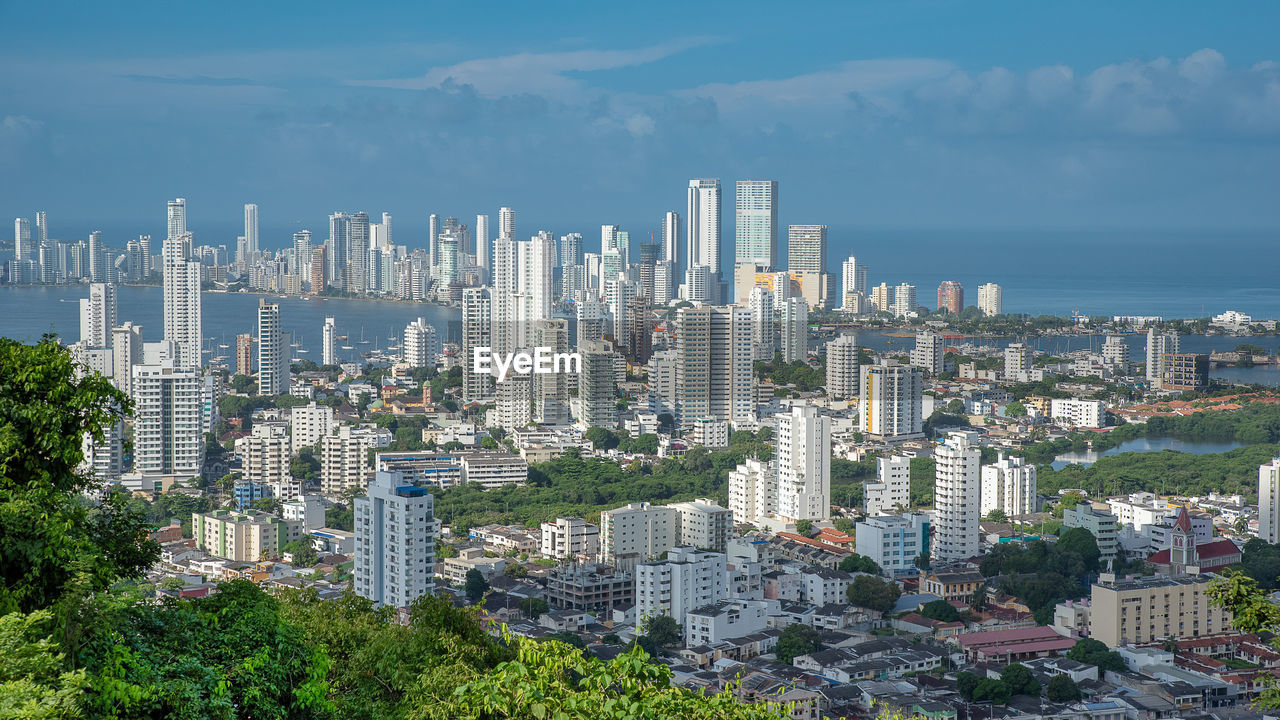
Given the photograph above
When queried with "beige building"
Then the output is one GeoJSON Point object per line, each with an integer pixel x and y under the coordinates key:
{"type": "Point", "coordinates": [1153, 608]}
{"type": "Point", "coordinates": [246, 537]}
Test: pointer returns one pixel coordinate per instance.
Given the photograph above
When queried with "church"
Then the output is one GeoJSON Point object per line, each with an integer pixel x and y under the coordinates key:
{"type": "Point", "coordinates": [1183, 552]}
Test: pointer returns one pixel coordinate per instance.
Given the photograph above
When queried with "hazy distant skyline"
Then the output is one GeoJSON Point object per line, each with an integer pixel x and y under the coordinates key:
{"type": "Point", "coordinates": [906, 114]}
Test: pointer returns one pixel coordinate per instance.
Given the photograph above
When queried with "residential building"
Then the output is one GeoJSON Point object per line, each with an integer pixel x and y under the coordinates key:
{"type": "Point", "coordinates": [853, 284]}
{"type": "Point", "coordinates": [589, 587]}
{"type": "Point", "coordinates": [702, 524]}
{"type": "Point", "coordinates": [264, 454]}
{"type": "Point", "coordinates": [894, 541]}
{"type": "Point", "coordinates": [804, 465]}
{"type": "Point", "coordinates": [756, 241]}
{"type": "Point", "coordinates": [951, 297]}
{"type": "Point", "coordinates": [597, 385]}
{"type": "Point", "coordinates": [1115, 354]}
{"type": "Point", "coordinates": [1009, 485]}
{"type": "Point", "coordinates": [842, 367]}
{"type": "Point", "coordinates": [1017, 360]}
{"type": "Point", "coordinates": [714, 368]}
{"type": "Point", "coordinates": [569, 537]}
{"type": "Point", "coordinates": [763, 335]}
{"type": "Point", "coordinates": [753, 491]}
{"type": "Point", "coordinates": [1074, 412]}
{"type": "Point", "coordinates": [1269, 501]}
{"type": "Point", "coordinates": [309, 423]}
{"type": "Point", "coordinates": [794, 330]}
{"type": "Point", "coordinates": [953, 585]}
{"type": "Point", "coordinates": [636, 533]}
{"type": "Point", "coordinates": [273, 351]}
{"type": "Point", "coordinates": [168, 437]}
{"type": "Point", "coordinates": [891, 492]}
{"type": "Point", "coordinates": [477, 325]}
{"type": "Point", "coordinates": [688, 579]}
{"type": "Point", "coordinates": [98, 315]}
{"type": "Point", "coordinates": [1184, 371]}
{"type": "Point", "coordinates": [709, 432]}
{"type": "Point", "coordinates": [329, 343]}
{"type": "Point", "coordinates": [957, 498]}
{"type": "Point", "coordinates": [420, 345]}
{"type": "Point", "coordinates": [702, 243]}
{"type": "Point", "coordinates": [1100, 523]}
{"type": "Point", "coordinates": [904, 301]}
{"type": "Point", "coordinates": [891, 402]}
{"type": "Point", "coordinates": [1158, 345]}
{"type": "Point", "coordinates": [182, 296]}
{"type": "Point", "coordinates": [726, 620]}
{"type": "Point", "coordinates": [990, 302]}
{"type": "Point", "coordinates": [246, 537]}
{"type": "Point", "coordinates": [1151, 609]}
{"type": "Point", "coordinates": [807, 258]}
{"type": "Point", "coordinates": [928, 352]}
{"type": "Point", "coordinates": [395, 539]}
{"type": "Point", "coordinates": [344, 457]}
{"type": "Point", "coordinates": [824, 586]}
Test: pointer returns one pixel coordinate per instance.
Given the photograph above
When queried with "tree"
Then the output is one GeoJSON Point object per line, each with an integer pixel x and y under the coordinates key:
{"type": "Point", "coordinates": [796, 640]}
{"type": "Point", "coordinates": [533, 607]}
{"type": "Point", "coordinates": [515, 570]}
{"type": "Point", "coordinates": [956, 407]}
{"type": "Point", "coordinates": [1081, 542]}
{"type": "Point", "coordinates": [1062, 689]}
{"type": "Point", "coordinates": [993, 691]}
{"type": "Point", "coordinates": [873, 593]}
{"type": "Point", "coordinates": [1015, 409]}
{"type": "Point", "coordinates": [610, 639]}
{"type": "Point", "coordinates": [303, 554]}
{"type": "Point", "coordinates": [601, 439]}
{"type": "Point", "coordinates": [244, 385]}
{"type": "Point", "coordinates": [856, 563]}
{"type": "Point", "coordinates": [1252, 611]}
{"type": "Point", "coordinates": [663, 630]}
{"type": "Point", "coordinates": [34, 682]}
{"type": "Point", "coordinates": [1094, 652]}
{"type": "Point", "coordinates": [965, 684]}
{"type": "Point", "coordinates": [804, 527]}
{"type": "Point", "coordinates": [1019, 680]}
{"type": "Point", "coordinates": [54, 545]}
{"type": "Point", "coordinates": [940, 610]}
{"type": "Point", "coordinates": [476, 585]}
{"type": "Point", "coordinates": [997, 515]}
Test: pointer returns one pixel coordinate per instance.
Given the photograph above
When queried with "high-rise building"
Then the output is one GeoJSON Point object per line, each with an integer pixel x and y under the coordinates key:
{"type": "Point", "coordinates": [597, 386]}
{"type": "Point", "coordinates": [1269, 501]}
{"type": "Point", "coordinates": [167, 437]}
{"type": "Point", "coordinates": [433, 240]}
{"type": "Point", "coordinates": [794, 330]}
{"type": "Point", "coordinates": [569, 537]}
{"type": "Point", "coordinates": [126, 351]}
{"type": "Point", "coordinates": [804, 465]}
{"type": "Point", "coordinates": [309, 424]}
{"type": "Point", "coordinates": [904, 300]}
{"type": "Point", "coordinates": [484, 250]}
{"type": "Point", "coordinates": [505, 286]}
{"type": "Point", "coordinates": [702, 243]}
{"type": "Point", "coordinates": [1009, 485]}
{"type": "Point", "coordinates": [177, 218]}
{"type": "Point", "coordinates": [339, 252]}
{"type": "Point", "coordinates": [182, 299]}
{"type": "Point", "coordinates": [264, 453]}
{"type": "Point", "coordinates": [550, 391]}
{"type": "Point", "coordinates": [671, 238]}
{"type": "Point", "coordinates": [636, 533]}
{"type": "Point", "coordinates": [714, 372]}
{"type": "Point", "coordinates": [989, 299]}
{"type": "Point", "coordinates": [928, 352]}
{"type": "Point", "coordinates": [1115, 354]}
{"type": "Point", "coordinates": [97, 258]}
{"type": "Point", "coordinates": [763, 334]}
{"type": "Point", "coordinates": [807, 257]}
{"type": "Point", "coordinates": [318, 267]}
{"type": "Point", "coordinates": [1138, 610]}
{"type": "Point", "coordinates": [21, 239]}
{"type": "Point", "coordinates": [506, 222]}
{"type": "Point", "coordinates": [98, 315]}
{"type": "Point", "coordinates": [344, 457]}
{"type": "Point", "coordinates": [891, 401]}
{"type": "Point", "coordinates": [756, 241]}
{"type": "Point", "coordinates": [301, 264]}
{"type": "Point", "coordinates": [420, 345]}
{"type": "Point", "coordinates": [395, 542]}
{"type": "Point", "coordinates": [273, 351]}
{"type": "Point", "coordinates": [244, 354]}
{"type": "Point", "coordinates": [571, 251]}
{"type": "Point", "coordinates": [535, 265]}
{"type": "Point", "coordinates": [891, 492]}
{"type": "Point", "coordinates": [687, 580]}
{"type": "Point", "coordinates": [1017, 360]}
{"type": "Point", "coordinates": [1184, 371]}
{"type": "Point", "coordinates": [842, 367]}
{"type": "Point", "coordinates": [957, 497]}
{"type": "Point", "coordinates": [853, 283]}
{"type": "Point", "coordinates": [882, 298]}
{"type": "Point", "coordinates": [251, 229]}
{"type": "Point", "coordinates": [753, 491]}
{"type": "Point", "coordinates": [951, 297]}
{"type": "Point", "coordinates": [476, 332]}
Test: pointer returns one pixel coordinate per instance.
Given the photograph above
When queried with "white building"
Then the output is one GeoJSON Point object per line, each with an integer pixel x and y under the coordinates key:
{"type": "Point", "coordinates": [727, 620]}
{"type": "Point", "coordinates": [569, 537]}
{"type": "Point", "coordinates": [702, 241]}
{"type": "Point", "coordinates": [344, 457]}
{"type": "Point", "coordinates": [753, 491]}
{"type": "Point", "coordinates": [1078, 413]}
{"type": "Point", "coordinates": [182, 296]}
{"type": "Point", "coordinates": [763, 336]}
{"type": "Point", "coordinates": [714, 376]}
{"type": "Point", "coordinates": [636, 533]}
{"type": "Point", "coordinates": [1269, 501]}
{"type": "Point", "coordinates": [824, 586]}
{"type": "Point", "coordinates": [804, 465]}
{"type": "Point", "coordinates": [98, 315]}
{"type": "Point", "coordinates": [928, 352]}
{"type": "Point", "coordinates": [794, 330]}
{"type": "Point", "coordinates": [702, 524]}
{"type": "Point", "coordinates": [329, 344]}
{"type": "Point", "coordinates": [309, 423]}
{"type": "Point", "coordinates": [1009, 485]}
{"type": "Point", "coordinates": [264, 454]}
{"type": "Point", "coordinates": [167, 420]}
{"type": "Point", "coordinates": [395, 544]}
{"type": "Point", "coordinates": [892, 488]}
{"type": "Point", "coordinates": [1017, 360]}
{"type": "Point", "coordinates": [893, 541]}
{"type": "Point", "coordinates": [597, 386]}
{"type": "Point", "coordinates": [1159, 345]}
{"type": "Point", "coordinates": [842, 367]}
{"type": "Point", "coordinates": [989, 299]}
{"type": "Point", "coordinates": [273, 351]}
{"type": "Point", "coordinates": [709, 432]}
{"type": "Point", "coordinates": [420, 346]}
{"type": "Point", "coordinates": [891, 404]}
{"type": "Point", "coordinates": [1115, 354]}
{"type": "Point", "coordinates": [756, 241]}
{"type": "Point", "coordinates": [853, 285]}
{"type": "Point", "coordinates": [957, 498]}
{"type": "Point", "coordinates": [688, 579]}
{"type": "Point", "coordinates": [904, 300]}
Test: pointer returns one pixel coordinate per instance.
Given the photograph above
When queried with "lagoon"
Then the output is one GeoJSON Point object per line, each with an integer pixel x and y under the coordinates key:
{"type": "Point", "coordinates": [1144, 445]}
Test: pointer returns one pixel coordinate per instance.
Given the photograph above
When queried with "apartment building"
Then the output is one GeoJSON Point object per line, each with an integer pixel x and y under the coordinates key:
{"type": "Point", "coordinates": [1150, 609]}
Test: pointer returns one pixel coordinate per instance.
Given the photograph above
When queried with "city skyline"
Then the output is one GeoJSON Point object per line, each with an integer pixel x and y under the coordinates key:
{"type": "Point", "coordinates": [1161, 119]}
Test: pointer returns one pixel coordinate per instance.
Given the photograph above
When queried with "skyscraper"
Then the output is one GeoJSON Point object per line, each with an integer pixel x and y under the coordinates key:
{"type": "Point", "coordinates": [42, 227]}
{"type": "Point", "coordinates": [329, 346]}
{"type": "Point", "coordinates": [244, 354]}
{"type": "Point", "coordinates": [182, 300]}
{"type": "Point", "coordinates": [477, 327]}
{"type": "Point", "coordinates": [395, 543]}
{"type": "Point", "coordinates": [842, 367]}
{"type": "Point", "coordinates": [956, 494]}
{"type": "Point", "coordinates": [804, 465]}
{"type": "Point", "coordinates": [21, 238]}
{"type": "Point", "coordinates": [756, 240]}
{"type": "Point", "coordinates": [989, 300]}
{"type": "Point", "coordinates": [301, 253]}
{"type": "Point", "coordinates": [420, 344]}
{"type": "Point", "coordinates": [597, 388]}
{"type": "Point", "coordinates": [484, 251]}
{"type": "Point", "coordinates": [1269, 501]}
{"type": "Point", "coordinates": [535, 263]}
{"type": "Point", "coordinates": [273, 351]}
{"type": "Point", "coordinates": [904, 300]}
{"type": "Point", "coordinates": [177, 217]}
{"type": "Point", "coordinates": [794, 326]}
{"type": "Point", "coordinates": [339, 252]}
{"type": "Point", "coordinates": [951, 297]}
{"type": "Point", "coordinates": [251, 229]}
{"type": "Point", "coordinates": [502, 303]}
{"type": "Point", "coordinates": [929, 352]}
{"type": "Point", "coordinates": [98, 315]}
{"type": "Point", "coordinates": [891, 401]}
{"type": "Point", "coordinates": [671, 238]}
{"type": "Point", "coordinates": [507, 222]}
{"type": "Point", "coordinates": [433, 239]}
{"type": "Point", "coordinates": [702, 241]}
{"type": "Point", "coordinates": [97, 258]}
{"type": "Point", "coordinates": [714, 370]}
{"type": "Point", "coordinates": [167, 424]}
{"type": "Point", "coordinates": [571, 252]}
{"type": "Point", "coordinates": [318, 266]}
{"type": "Point", "coordinates": [1158, 345]}
{"type": "Point", "coordinates": [853, 280]}
{"type": "Point", "coordinates": [807, 257]}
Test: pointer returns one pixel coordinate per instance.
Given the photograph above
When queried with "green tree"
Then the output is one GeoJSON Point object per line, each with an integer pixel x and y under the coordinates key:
{"type": "Point", "coordinates": [990, 690]}
{"type": "Point", "coordinates": [966, 682]}
{"type": "Point", "coordinates": [1062, 689]}
{"type": "Point", "coordinates": [515, 570]}
{"type": "Point", "coordinates": [804, 527]}
{"type": "Point", "coordinates": [856, 563]}
{"type": "Point", "coordinates": [873, 593]}
{"type": "Point", "coordinates": [34, 682]}
{"type": "Point", "coordinates": [303, 554]}
{"type": "Point", "coordinates": [796, 640]}
{"type": "Point", "coordinates": [1019, 680]}
{"type": "Point", "coordinates": [956, 407]}
{"type": "Point", "coordinates": [1093, 652]}
{"type": "Point", "coordinates": [940, 610]}
{"type": "Point", "coordinates": [244, 385]}
{"type": "Point", "coordinates": [533, 607]}
{"type": "Point", "coordinates": [51, 543]}
{"type": "Point", "coordinates": [1015, 409]}
{"type": "Point", "coordinates": [1081, 542]}
{"type": "Point", "coordinates": [663, 630]}
{"type": "Point", "coordinates": [476, 585]}
{"type": "Point", "coordinates": [997, 515]}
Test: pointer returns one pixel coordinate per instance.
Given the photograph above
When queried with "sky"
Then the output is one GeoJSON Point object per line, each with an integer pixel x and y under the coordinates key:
{"type": "Point", "coordinates": [904, 114]}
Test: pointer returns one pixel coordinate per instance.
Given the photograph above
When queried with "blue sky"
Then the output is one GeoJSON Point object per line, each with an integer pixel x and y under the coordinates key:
{"type": "Point", "coordinates": [884, 114]}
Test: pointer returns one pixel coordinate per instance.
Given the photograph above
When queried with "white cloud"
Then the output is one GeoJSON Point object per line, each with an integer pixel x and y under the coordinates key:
{"type": "Point", "coordinates": [867, 77]}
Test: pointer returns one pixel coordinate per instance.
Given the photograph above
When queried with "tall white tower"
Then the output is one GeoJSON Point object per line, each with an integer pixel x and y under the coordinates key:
{"type": "Point", "coordinates": [273, 351]}
{"type": "Point", "coordinates": [329, 344]}
{"type": "Point", "coordinates": [703, 235]}
{"type": "Point", "coordinates": [1269, 501]}
{"type": "Point", "coordinates": [251, 228]}
{"type": "Point", "coordinates": [507, 222]}
{"type": "Point", "coordinates": [484, 251]}
{"type": "Point", "coordinates": [956, 495]}
{"type": "Point", "coordinates": [395, 543]}
{"type": "Point", "coordinates": [182, 300]}
{"type": "Point", "coordinates": [1009, 485]}
{"type": "Point", "coordinates": [756, 239]}
{"type": "Point", "coordinates": [98, 315]}
{"type": "Point", "coordinates": [671, 238]}
{"type": "Point", "coordinates": [853, 280]}
{"type": "Point", "coordinates": [177, 217]}
{"type": "Point", "coordinates": [21, 238]}
{"type": "Point", "coordinates": [804, 465]}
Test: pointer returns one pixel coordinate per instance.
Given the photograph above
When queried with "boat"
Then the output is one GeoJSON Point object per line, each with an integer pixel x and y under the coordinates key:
{"type": "Point", "coordinates": [347, 347]}
{"type": "Point", "coordinates": [303, 350]}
